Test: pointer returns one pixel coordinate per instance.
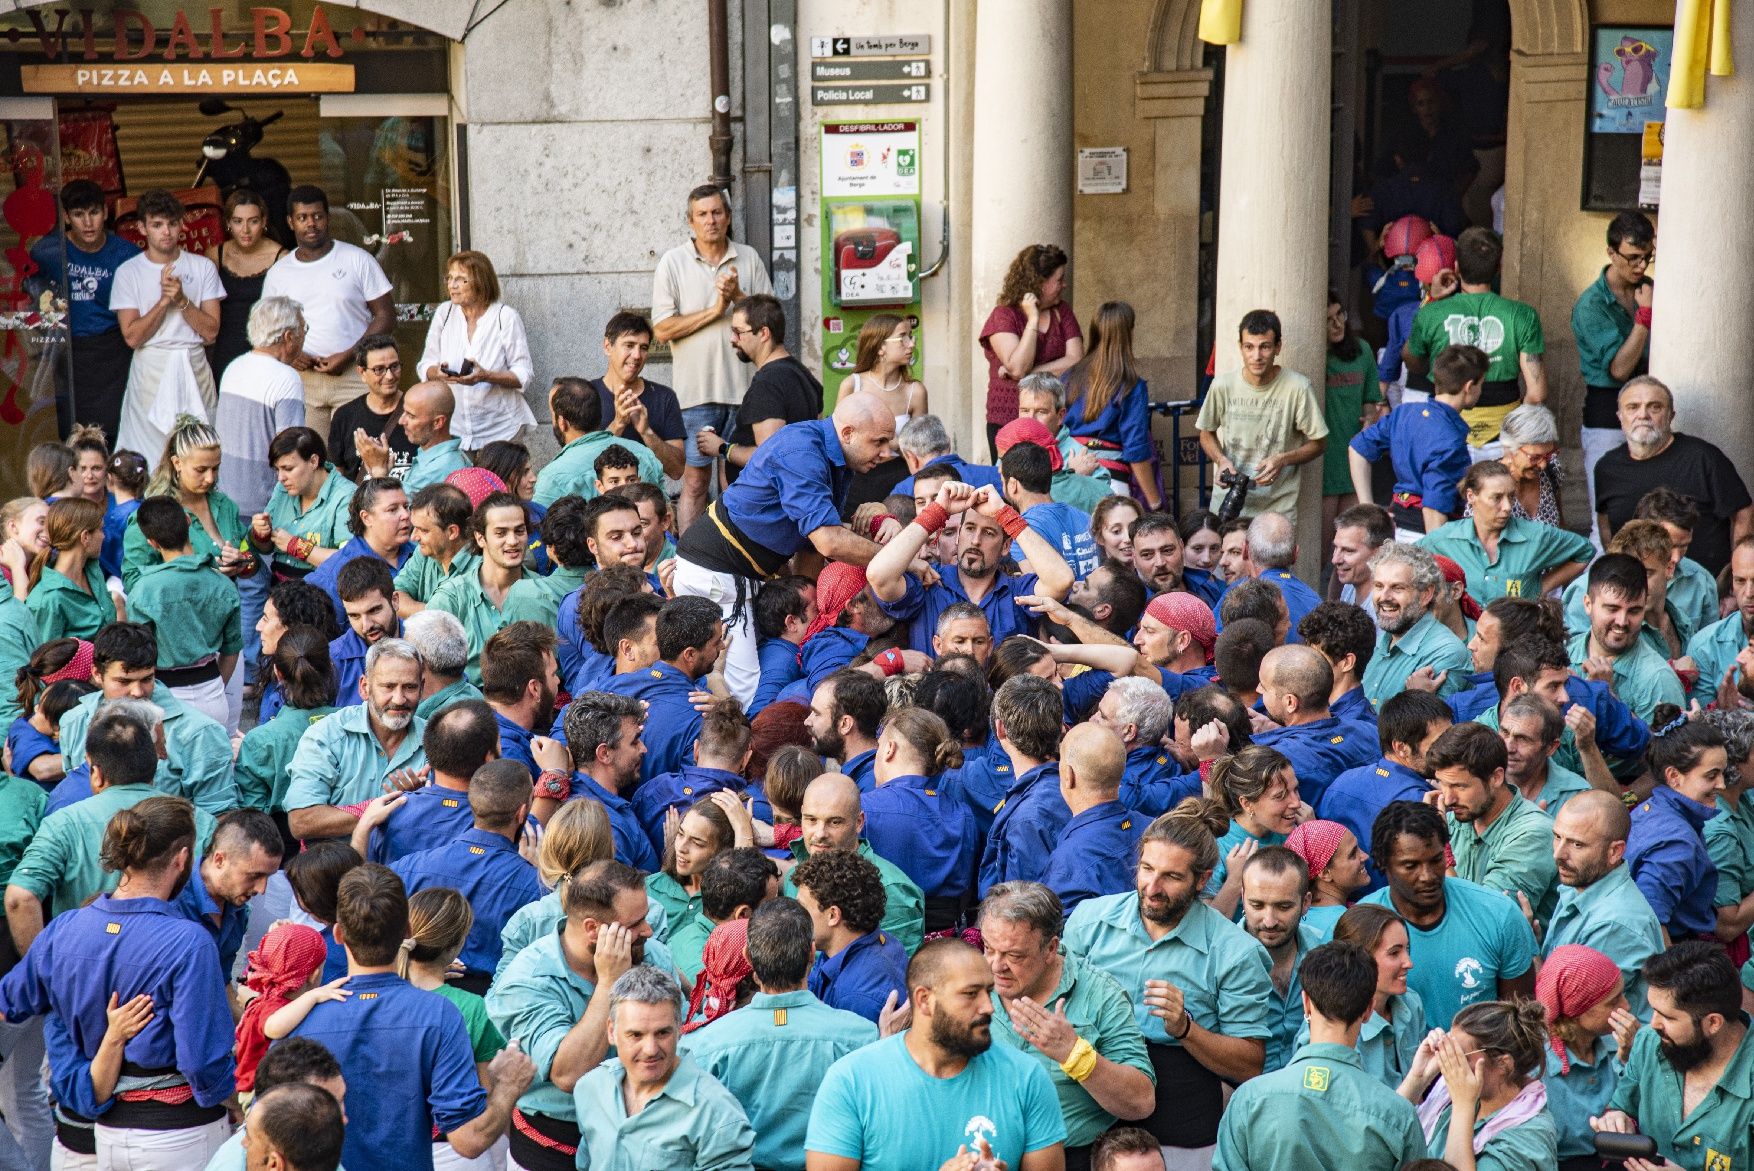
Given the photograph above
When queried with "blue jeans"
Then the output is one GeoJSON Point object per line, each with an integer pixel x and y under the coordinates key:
{"type": "Point", "coordinates": [252, 597]}
{"type": "Point", "coordinates": [720, 417]}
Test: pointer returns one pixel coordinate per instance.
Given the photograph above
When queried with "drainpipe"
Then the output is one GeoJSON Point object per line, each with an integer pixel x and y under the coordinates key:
{"type": "Point", "coordinates": [718, 41]}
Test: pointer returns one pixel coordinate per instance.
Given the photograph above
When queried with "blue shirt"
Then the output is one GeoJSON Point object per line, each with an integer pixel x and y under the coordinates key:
{"type": "Point", "coordinates": [428, 818]}
{"type": "Point", "coordinates": [793, 485]}
{"type": "Point", "coordinates": [919, 606]}
{"type": "Point", "coordinates": [1067, 529]}
{"type": "Point", "coordinates": [1356, 798]}
{"type": "Point", "coordinates": [980, 784]}
{"type": "Point", "coordinates": [1428, 445]}
{"type": "Point", "coordinates": [1155, 782]}
{"type": "Point", "coordinates": [487, 868]}
{"type": "Point", "coordinates": [347, 655]}
{"type": "Point", "coordinates": [88, 276]}
{"type": "Point", "coordinates": [977, 475]}
{"type": "Point", "coordinates": [679, 790]}
{"type": "Point", "coordinates": [927, 833]}
{"type": "Point", "coordinates": [632, 846]}
{"type": "Point", "coordinates": [1299, 599]}
{"type": "Point", "coordinates": [196, 905]}
{"type": "Point", "coordinates": [411, 1048]}
{"type": "Point", "coordinates": [1481, 939]}
{"type": "Point", "coordinates": [325, 575]}
{"type": "Point", "coordinates": [1026, 827]}
{"type": "Point", "coordinates": [862, 769]}
{"type": "Point", "coordinates": [115, 528]}
{"type": "Point", "coordinates": [1321, 750]}
{"type": "Point", "coordinates": [1124, 422]}
{"type": "Point", "coordinates": [1354, 707]}
{"type": "Point", "coordinates": [1095, 854]}
{"type": "Point", "coordinates": [582, 666]}
{"type": "Point", "coordinates": [860, 977]}
{"type": "Point", "coordinates": [25, 744]}
{"type": "Point", "coordinates": [826, 651]}
{"type": "Point", "coordinates": [779, 668]}
{"type": "Point", "coordinates": [1669, 862]}
{"type": "Point", "coordinates": [672, 725]}
{"type": "Point", "coordinates": [514, 743]}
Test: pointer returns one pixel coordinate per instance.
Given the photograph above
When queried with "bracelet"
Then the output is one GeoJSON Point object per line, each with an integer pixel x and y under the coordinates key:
{"type": "Point", "coordinates": [1012, 522]}
{"type": "Point", "coordinates": [932, 517]}
{"type": "Point", "coordinates": [301, 548]}
{"type": "Point", "coordinates": [1187, 1027]}
{"type": "Point", "coordinates": [891, 662]}
{"type": "Point", "coordinates": [553, 784]}
{"type": "Point", "coordinates": [1642, 316]}
{"type": "Point", "coordinates": [1081, 1062]}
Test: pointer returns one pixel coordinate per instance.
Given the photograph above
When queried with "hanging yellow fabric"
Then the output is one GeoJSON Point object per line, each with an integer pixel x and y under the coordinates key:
{"type": "Point", "coordinates": [1221, 21]}
{"type": "Point", "coordinates": [1702, 44]}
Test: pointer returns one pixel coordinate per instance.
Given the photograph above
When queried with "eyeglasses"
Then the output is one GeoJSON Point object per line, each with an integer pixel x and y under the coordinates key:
{"type": "Point", "coordinates": [735, 332]}
{"type": "Point", "coordinates": [1539, 459]}
{"type": "Point", "coordinates": [1637, 259]}
{"type": "Point", "coordinates": [380, 371]}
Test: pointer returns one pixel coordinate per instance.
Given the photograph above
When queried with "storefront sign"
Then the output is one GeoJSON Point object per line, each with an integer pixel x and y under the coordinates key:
{"type": "Point", "coordinates": [243, 78]}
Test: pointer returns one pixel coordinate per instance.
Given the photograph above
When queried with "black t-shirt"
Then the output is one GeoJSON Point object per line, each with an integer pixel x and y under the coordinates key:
{"type": "Point", "coordinates": [783, 389]}
{"type": "Point", "coordinates": [1691, 467]}
{"type": "Point", "coordinates": [663, 411]}
{"type": "Point", "coordinates": [358, 414]}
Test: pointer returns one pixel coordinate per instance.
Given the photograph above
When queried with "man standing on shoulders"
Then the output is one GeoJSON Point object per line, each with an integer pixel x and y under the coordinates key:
{"type": "Point", "coordinates": [345, 297]}
{"type": "Point", "coordinates": [692, 293]}
{"type": "Point", "coordinates": [638, 408]}
{"type": "Point", "coordinates": [782, 391]}
{"type": "Point", "coordinates": [1611, 324]}
{"type": "Point", "coordinates": [1599, 904]}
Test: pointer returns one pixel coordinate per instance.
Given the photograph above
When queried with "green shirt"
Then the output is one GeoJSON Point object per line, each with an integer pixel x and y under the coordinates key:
{"type": "Point", "coordinates": [422, 575]}
{"type": "Point", "coordinates": [1321, 1111]}
{"type": "Point", "coordinates": [1514, 854]}
{"type": "Point", "coordinates": [1600, 325]}
{"type": "Point", "coordinates": [339, 761]}
{"type": "Point", "coordinates": [1681, 616]}
{"type": "Point", "coordinates": [19, 639]}
{"type": "Point", "coordinates": [533, 921]}
{"type": "Point", "coordinates": [679, 906]}
{"type": "Point", "coordinates": [66, 610]}
{"type": "Point", "coordinates": [904, 909]}
{"type": "Point", "coordinates": [324, 522]}
{"type": "Point", "coordinates": [21, 810]}
{"type": "Point", "coordinates": [137, 553]}
{"type": "Point", "coordinates": [1532, 1145]}
{"type": "Point", "coordinates": [445, 696]}
{"type": "Point", "coordinates": [571, 471]}
{"type": "Point", "coordinates": [1642, 677]}
{"type": "Point", "coordinates": [197, 764]}
{"type": "Point", "coordinates": [1729, 839]}
{"type": "Point", "coordinates": [1527, 550]}
{"type": "Point", "coordinates": [266, 754]}
{"type": "Point", "coordinates": [432, 464]}
{"type": "Point", "coordinates": [464, 597]}
{"type": "Point", "coordinates": [190, 607]}
{"type": "Point", "coordinates": [1100, 1013]}
{"type": "Point", "coordinates": [1610, 915]}
{"type": "Point", "coordinates": [1504, 329]}
{"type": "Point", "coordinates": [1429, 643]}
{"type": "Point", "coordinates": [1351, 383]}
{"type": "Point", "coordinates": [1081, 492]}
{"type": "Point", "coordinates": [1561, 786]}
{"type": "Point", "coordinates": [1254, 422]}
{"type": "Point", "coordinates": [61, 864]}
{"type": "Point", "coordinates": [483, 1037]}
{"type": "Point", "coordinates": [693, 1122]}
{"type": "Point", "coordinates": [537, 598]}
{"type": "Point", "coordinates": [1717, 1135]}
{"type": "Point", "coordinates": [686, 944]}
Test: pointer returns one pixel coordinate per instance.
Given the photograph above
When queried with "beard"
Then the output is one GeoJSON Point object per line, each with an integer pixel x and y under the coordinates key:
{"type": "Point", "coordinates": [961, 1039]}
{"type": "Point", "coordinates": [1403, 621]}
{"type": "Point", "coordinates": [742, 357]}
{"type": "Point", "coordinates": [395, 720]}
{"type": "Point", "coordinates": [832, 744]}
{"type": "Point", "coordinates": [544, 712]}
{"type": "Point", "coordinates": [1169, 910]}
{"type": "Point", "coordinates": [1686, 1055]}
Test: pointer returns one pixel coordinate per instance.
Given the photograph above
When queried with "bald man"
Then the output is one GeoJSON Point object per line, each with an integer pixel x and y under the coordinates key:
{"type": "Point", "coordinates": [1269, 553]}
{"type": "Point", "coordinates": [787, 501]}
{"type": "Point", "coordinates": [834, 822]}
{"type": "Point", "coordinates": [1095, 854]}
{"type": "Point", "coordinates": [1296, 681]}
{"type": "Point", "coordinates": [1599, 905]}
{"type": "Point", "coordinates": [426, 420]}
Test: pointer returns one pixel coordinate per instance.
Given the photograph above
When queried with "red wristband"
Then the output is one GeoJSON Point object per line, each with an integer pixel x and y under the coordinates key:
{"type": "Point", "coordinates": [1641, 316]}
{"type": "Point", "coordinates": [553, 784]}
{"type": "Point", "coordinates": [891, 662]}
{"type": "Point", "coordinates": [932, 517]}
{"type": "Point", "coordinates": [1012, 522]}
{"type": "Point", "coordinates": [876, 524]}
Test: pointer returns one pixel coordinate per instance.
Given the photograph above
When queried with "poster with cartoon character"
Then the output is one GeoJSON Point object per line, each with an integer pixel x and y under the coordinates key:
{"type": "Point", "coordinates": [1629, 78]}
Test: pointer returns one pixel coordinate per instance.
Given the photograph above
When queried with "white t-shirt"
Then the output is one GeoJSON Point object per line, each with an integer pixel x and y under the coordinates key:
{"type": "Point", "coordinates": [333, 290]}
{"type": "Point", "coordinates": [136, 287]}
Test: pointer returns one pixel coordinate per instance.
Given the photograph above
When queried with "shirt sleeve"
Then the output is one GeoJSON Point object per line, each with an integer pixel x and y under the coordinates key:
{"type": "Point", "coordinates": [1135, 424]}
{"type": "Point", "coordinates": [1661, 876]}
{"type": "Point", "coordinates": [663, 291]}
{"type": "Point", "coordinates": [46, 859]}
{"type": "Point", "coordinates": [1043, 1121]}
{"type": "Point", "coordinates": [1459, 663]}
{"type": "Point", "coordinates": [806, 501]}
{"type": "Point", "coordinates": [1516, 942]}
{"type": "Point", "coordinates": [431, 354]}
{"type": "Point", "coordinates": [1372, 385]}
{"type": "Point", "coordinates": [1597, 335]}
{"type": "Point", "coordinates": [1530, 338]}
{"type": "Point", "coordinates": [1245, 991]}
{"type": "Point", "coordinates": [207, 769]}
{"type": "Point", "coordinates": [125, 292]}
{"type": "Point", "coordinates": [1373, 442]}
{"type": "Point", "coordinates": [726, 1141]}
{"type": "Point", "coordinates": [454, 1096]}
{"type": "Point", "coordinates": [1211, 417]}
{"type": "Point", "coordinates": [752, 275]}
{"type": "Point", "coordinates": [208, 286]}
{"type": "Point", "coordinates": [1420, 339]}
{"type": "Point", "coordinates": [370, 275]}
{"type": "Point", "coordinates": [837, 1123]}
{"type": "Point", "coordinates": [1557, 546]}
{"type": "Point", "coordinates": [314, 770]}
{"type": "Point", "coordinates": [231, 639]}
{"type": "Point", "coordinates": [517, 347]}
{"type": "Point", "coordinates": [1311, 422]}
{"type": "Point", "coordinates": [202, 1027]}
{"type": "Point", "coordinates": [1729, 492]}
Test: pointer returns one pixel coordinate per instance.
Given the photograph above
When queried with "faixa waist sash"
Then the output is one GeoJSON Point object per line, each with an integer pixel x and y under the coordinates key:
{"type": "Point", "coordinates": [724, 548]}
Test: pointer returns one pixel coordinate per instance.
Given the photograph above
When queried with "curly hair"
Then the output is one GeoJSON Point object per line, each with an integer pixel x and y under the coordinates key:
{"type": "Point", "coordinates": [847, 881]}
{"type": "Point", "coordinates": [1029, 268]}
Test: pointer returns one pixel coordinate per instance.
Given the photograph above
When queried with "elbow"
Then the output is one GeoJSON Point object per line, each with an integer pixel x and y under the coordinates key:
{"type": "Point", "coordinates": [1140, 1100]}
{"type": "Point", "coordinates": [302, 822]}
{"type": "Point", "coordinates": [18, 901]}
{"type": "Point", "coordinates": [468, 1144]}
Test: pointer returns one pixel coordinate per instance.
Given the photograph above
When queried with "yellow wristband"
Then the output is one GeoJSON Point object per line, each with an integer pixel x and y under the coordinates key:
{"type": "Point", "coordinates": [1081, 1062]}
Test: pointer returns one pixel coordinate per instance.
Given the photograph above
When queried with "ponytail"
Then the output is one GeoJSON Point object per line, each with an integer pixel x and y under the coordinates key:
{"type": "Point", "coordinates": [927, 738]}
{"type": "Point", "coordinates": [439, 921]}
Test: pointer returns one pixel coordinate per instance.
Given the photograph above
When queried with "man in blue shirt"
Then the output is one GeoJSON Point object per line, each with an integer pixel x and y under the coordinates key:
{"type": "Point", "coordinates": [788, 497]}
{"type": "Point", "coordinates": [1345, 634]}
{"type": "Point", "coordinates": [379, 521]}
{"type": "Point", "coordinates": [1268, 555]}
{"type": "Point", "coordinates": [987, 524]}
{"type": "Point", "coordinates": [1153, 781]}
{"type": "Point", "coordinates": [1295, 684]}
{"type": "Point", "coordinates": [1028, 823]}
{"type": "Point", "coordinates": [1029, 476]}
{"type": "Point", "coordinates": [859, 965]}
{"type": "Point", "coordinates": [520, 680]}
{"type": "Point", "coordinates": [605, 734]}
{"type": "Point", "coordinates": [242, 856]}
{"type": "Point", "coordinates": [367, 591]}
{"type": "Point", "coordinates": [690, 635]}
{"type": "Point", "coordinates": [85, 256]}
{"type": "Point", "coordinates": [409, 1045]}
{"type": "Point", "coordinates": [457, 741]}
{"type": "Point", "coordinates": [1407, 727]}
{"type": "Point", "coordinates": [845, 713]}
{"type": "Point", "coordinates": [484, 864]}
{"type": "Point", "coordinates": [720, 754]}
{"type": "Point", "coordinates": [1096, 850]}
{"type": "Point", "coordinates": [924, 443]}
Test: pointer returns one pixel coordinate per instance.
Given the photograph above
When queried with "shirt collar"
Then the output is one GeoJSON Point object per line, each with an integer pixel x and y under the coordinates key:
{"type": "Point", "coordinates": [487, 839]}
{"type": "Point", "coordinates": [832, 965]}
{"type": "Point", "coordinates": [831, 443]}
{"type": "Point", "coordinates": [795, 999]}
{"type": "Point", "coordinates": [1682, 805]}
{"type": "Point", "coordinates": [1327, 1051]}
{"type": "Point", "coordinates": [1194, 930]}
{"type": "Point", "coordinates": [588, 783]}
{"type": "Point", "coordinates": [1110, 811]}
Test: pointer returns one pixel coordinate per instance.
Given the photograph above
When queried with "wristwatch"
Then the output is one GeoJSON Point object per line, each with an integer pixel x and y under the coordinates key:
{"type": "Point", "coordinates": [553, 784]}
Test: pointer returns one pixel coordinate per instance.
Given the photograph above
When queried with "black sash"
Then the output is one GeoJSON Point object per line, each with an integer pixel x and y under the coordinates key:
{"type": "Point", "coordinates": [1190, 1099]}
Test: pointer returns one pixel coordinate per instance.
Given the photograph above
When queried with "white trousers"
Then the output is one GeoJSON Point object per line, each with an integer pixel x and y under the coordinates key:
{"type": "Point", "coordinates": [210, 700]}
{"type": "Point", "coordinates": [62, 1159]}
{"type": "Point", "coordinates": [742, 660]}
{"type": "Point", "coordinates": [160, 1150]}
{"type": "Point", "coordinates": [446, 1158]}
{"type": "Point", "coordinates": [1597, 442]}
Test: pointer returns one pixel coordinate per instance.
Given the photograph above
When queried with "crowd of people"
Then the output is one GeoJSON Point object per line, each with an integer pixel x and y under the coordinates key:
{"type": "Point", "coordinates": [414, 803]}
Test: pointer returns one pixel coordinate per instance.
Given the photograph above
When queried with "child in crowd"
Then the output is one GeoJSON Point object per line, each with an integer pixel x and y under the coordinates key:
{"type": "Point", "coordinates": [192, 609]}
{"type": "Point", "coordinates": [128, 476]}
{"type": "Point", "coordinates": [286, 964]}
{"type": "Point", "coordinates": [784, 609]}
{"type": "Point", "coordinates": [1434, 265]}
{"type": "Point", "coordinates": [1428, 444]}
{"type": "Point", "coordinates": [24, 532]}
{"type": "Point", "coordinates": [33, 748]}
{"type": "Point", "coordinates": [315, 877]}
{"type": "Point", "coordinates": [615, 466]}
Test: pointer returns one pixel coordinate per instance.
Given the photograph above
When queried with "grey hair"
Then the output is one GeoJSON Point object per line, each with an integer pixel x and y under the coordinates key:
{"type": "Point", "coordinates": [1143, 704]}
{"type": "Point", "coordinates": [1426, 574]}
{"type": "Point", "coordinates": [1029, 903]}
{"type": "Point", "coordinates": [1643, 380]}
{"type": "Point", "coordinates": [594, 719]}
{"type": "Point", "coordinates": [272, 318]}
{"type": "Point", "coordinates": [441, 640]}
{"type": "Point", "coordinates": [924, 437]}
{"type": "Point", "coordinates": [1528, 424]}
{"type": "Point", "coordinates": [957, 612]}
{"type": "Point", "coordinates": [143, 711]}
{"type": "Point", "coordinates": [645, 984]}
{"type": "Point", "coordinates": [393, 648]}
{"type": "Point", "coordinates": [1737, 729]}
{"type": "Point", "coordinates": [1044, 383]}
{"type": "Point", "coordinates": [1272, 541]}
{"type": "Point", "coordinates": [1533, 706]}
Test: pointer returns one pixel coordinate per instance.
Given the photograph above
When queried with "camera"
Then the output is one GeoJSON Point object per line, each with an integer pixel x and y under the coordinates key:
{"type": "Point", "coordinates": [1231, 507]}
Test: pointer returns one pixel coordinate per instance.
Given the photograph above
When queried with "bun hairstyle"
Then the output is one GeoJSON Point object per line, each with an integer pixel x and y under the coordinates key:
{"type": "Point", "coordinates": [48, 659]}
{"type": "Point", "coordinates": [927, 736]}
{"type": "Point", "coordinates": [1194, 825]}
{"type": "Point", "coordinates": [145, 837]}
{"type": "Point", "coordinates": [303, 666]}
{"type": "Point", "coordinates": [1516, 1028]}
{"type": "Point", "coordinates": [577, 835]}
{"type": "Point", "coordinates": [1677, 742]}
{"type": "Point", "coordinates": [439, 920]}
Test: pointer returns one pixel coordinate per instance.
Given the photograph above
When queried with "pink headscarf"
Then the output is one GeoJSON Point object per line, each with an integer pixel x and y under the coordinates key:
{"type": "Point", "coordinates": [1181, 611]}
{"type": "Point", "coordinates": [1316, 842]}
{"type": "Point", "coordinates": [1573, 980]}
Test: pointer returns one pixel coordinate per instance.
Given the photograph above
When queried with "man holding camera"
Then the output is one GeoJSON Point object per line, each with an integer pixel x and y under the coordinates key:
{"type": "Point", "coordinates": [1259, 421]}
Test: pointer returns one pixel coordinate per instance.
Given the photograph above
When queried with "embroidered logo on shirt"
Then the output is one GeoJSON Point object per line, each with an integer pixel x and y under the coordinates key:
{"type": "Point", "coordinates": [368, 996]}
{"type": "Point", "coordinates": [779, 1018]}
{"type": "Point", "coordinates": [1469, 971]}
{"type": "Point", "coordinates": [1163, 760]}
{"type": "Point", "coordinates": [476, 850]}
{"type": "Point", "coordinates": [980, 1128]}
{"type": "Point", "coordinates": [1513, 588]}
{"type": "Point", "coordinates": [1336, 740]}
{"type": "Point", "coordinates": [1716, 1160]}
{"type": "Point", "coordinates": [449, 802]}
{"type": "Point", "coordinates": [1316, 1078]}
{"type": "Point", "coordinates": [113, 928]}
{"type": "Point", "coordinates": [1382, 772]}
{"type": "Point", "coordinates": [657, 674]}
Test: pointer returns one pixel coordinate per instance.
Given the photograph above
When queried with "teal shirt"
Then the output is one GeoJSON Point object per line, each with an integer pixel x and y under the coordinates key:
{"type": "Point", "coordinates": [1718, 1134]}
{"type": "Point", "coordinates": [1428, 644]}
{"type": "Point", "coordinates": [421, 576]}
{"type": "Point", "coordinates": [904, 910]}
{"type": "Point", "coordinates": [432, 464]}
{"type": "Point", "coordinates": [464, 597]}
{"type": "Point", "coordinates": [1561, 786]}
{"type": "Point", "coordinates": [1580, 1094]}
{"type": "Point", "coordinates": [679, 906]}
{"type": "Point", "coordinates": [1601, 325]}
{"type": "Point", "coordinates": [571, 471]}
{"type": "Point", "coordinates": [1082, 492]}
{"type": "Point", "coordinates": [1321, 920]}
{"type": "Point", "coordinates": [1515, 854]}
{"type": "Point", "coordinates": [445, 696]}
{"type": "Point", "coordinates": [1101, 1014]}
{"type": "Point", "coordinates": [1527, 1146]}
{"type": "Point", "coordinates": [1234, 837]}
{"type": "Point", "coordinates": [19, 639]}
{"type": "Point", "coordinates": [1729, 839]}
{"type": "Point", "coordinates": [1680, 617]}
{"type": "Point", "coordinates": [1642, 677]}
{"type": "Point", "coordinates": [772, 1054]}
{"type": "Point", "coordinates": [266, 755]}
{"type": "Point", "coordinates": [1715, 648]}
{"type": "Point", "coordinates": [535, 1000]}
{"type": "Point", "coordinates": [1224, 974]}
{"type": "Point", "coordinates": [1527, 551]}
{"type": "Point", "coordinates": [693, 1122]}
{"type": "Point", "coordinates": [137, 553]}
{"type": "Point", "coordinates": [540, 602]}
{"type": "Point", "coordinates": [61, 865]}
{"type": "Point", "coordinates": [191, 608]}
{"type": "Point", "coordinates": [534, 921]}
{"type": "Point", "coordinates": [21, 810]}
{"type": "Point", "coordinates": [1286, 1011]}
{"type": "Point", "coordinates": [65, 610]}
{"type": "Point", "coordinates": [1321, 1109]}
{"type": "Point", "coordinates": [686, 944]}
{"type": "Point", "coordinates": [197, 764]}
{"type": "Point", "coordinates": [324, 522]}
{"type": "Point", "coordinates": [1387, 1045]}
{"type": "Point", "coordinates": [1693, 591]}
{"type": "Point", "coordinates": [339, 761]}
{"type": "Point", "coordinates": [1481, 939]}
{"type": "Point", "coordinates": [1611, 916]}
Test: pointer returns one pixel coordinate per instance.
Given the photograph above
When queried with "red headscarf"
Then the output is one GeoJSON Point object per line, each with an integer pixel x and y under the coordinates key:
{"type": "Point", "coordinates": [279, 967]}
{"type": "Point", "coordinates": [837, 584]}
{"type": "Point", "coordinates": [78, 668]}
{"type": "Point", "coordinates": [1454, 574]}
{"type": "Point", "coordinates": [1316, 842]}
{"type": "Point", "coordinates": [475, 483]}
{"type": "Point", "coordinates": [1573, 980]}
{"type": "Point", "coordinates": [1184, 612]}
{"type": "Point", "coordinates": [724, 967]}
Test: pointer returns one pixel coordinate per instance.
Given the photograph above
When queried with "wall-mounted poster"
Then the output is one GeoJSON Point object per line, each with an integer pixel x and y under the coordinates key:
{"type": "Point", "coordinates": [1629, 77]}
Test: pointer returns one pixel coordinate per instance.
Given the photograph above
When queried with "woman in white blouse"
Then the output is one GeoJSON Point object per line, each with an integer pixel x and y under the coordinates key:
{"type": "Point", "coordinates": [476, 343]}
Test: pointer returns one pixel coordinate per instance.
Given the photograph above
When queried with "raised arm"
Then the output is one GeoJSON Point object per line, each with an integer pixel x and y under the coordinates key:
{"type": "Point", "coordinates": [887, 572]}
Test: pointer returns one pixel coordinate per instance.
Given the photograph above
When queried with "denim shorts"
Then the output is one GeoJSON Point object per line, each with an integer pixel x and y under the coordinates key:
{"type": "Point", "coordinates": [719, 416]}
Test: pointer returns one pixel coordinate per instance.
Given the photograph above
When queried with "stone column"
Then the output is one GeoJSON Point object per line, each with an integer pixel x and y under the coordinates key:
{"type": "Point", "coordinates": [1022, 178]}
{"type": "Point", "coordinates": [1704, 325]}
{"type": "Point", "coordinates": [1273, 205]}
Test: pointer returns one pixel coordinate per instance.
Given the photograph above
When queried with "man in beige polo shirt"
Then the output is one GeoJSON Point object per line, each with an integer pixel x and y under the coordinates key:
{"type": "Point", "coordinates": [692, 293]}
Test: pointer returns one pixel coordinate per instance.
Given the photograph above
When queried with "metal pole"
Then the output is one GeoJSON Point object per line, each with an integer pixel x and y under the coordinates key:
{"type": "Point", "coordinates": [718, 40]}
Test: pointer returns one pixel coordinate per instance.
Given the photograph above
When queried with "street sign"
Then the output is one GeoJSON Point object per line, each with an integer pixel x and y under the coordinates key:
{"type": "Point", "coordinates": [864, 95]}
{"type": "Point", "coordinates": [895, 69]}
{"type": "Point", "coordinates": [897, 45]}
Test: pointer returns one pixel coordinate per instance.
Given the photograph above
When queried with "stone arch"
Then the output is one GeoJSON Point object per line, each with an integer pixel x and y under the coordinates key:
{"type": "Point", "coordinates": [1170, 41]}
{"type": "Point", "coordinates": [450, 18]}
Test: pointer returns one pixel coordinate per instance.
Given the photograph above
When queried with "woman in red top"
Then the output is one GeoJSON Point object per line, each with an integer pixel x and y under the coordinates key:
{"type": "Point", "coordinates": [1031, 330]}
